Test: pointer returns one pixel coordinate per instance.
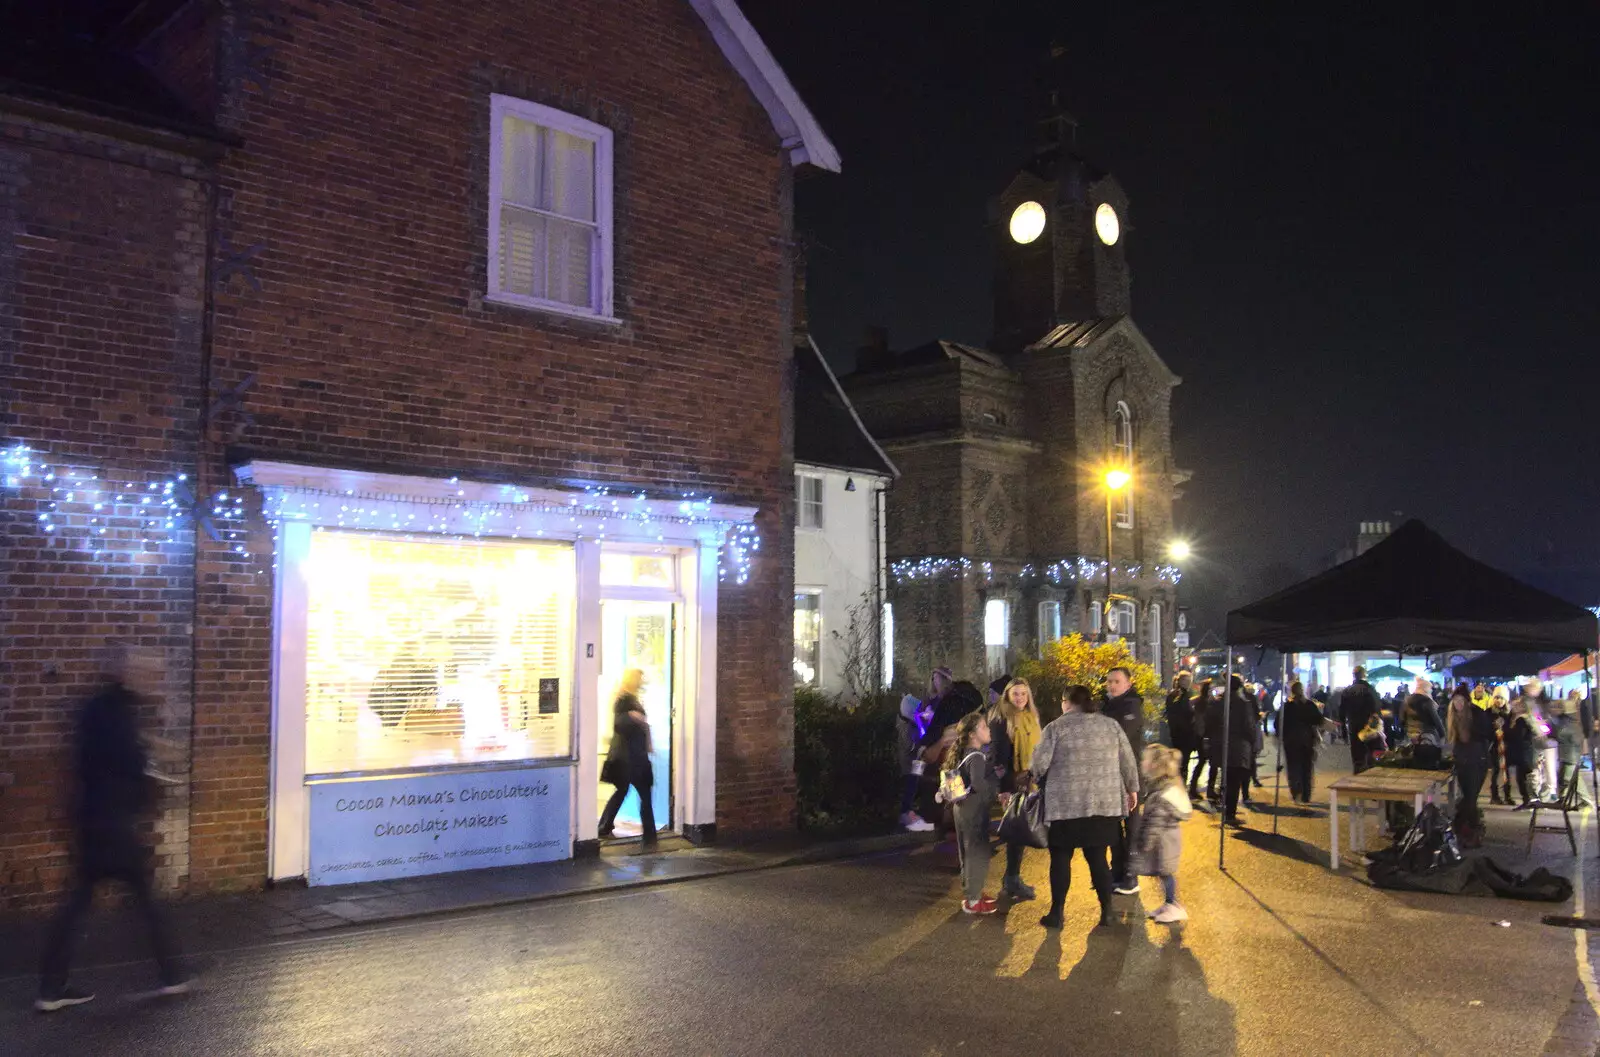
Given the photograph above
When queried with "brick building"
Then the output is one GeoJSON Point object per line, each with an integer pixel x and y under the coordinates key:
{"type": "Point", "coordinates": [997, 526]}
{"type": "Point", "coordinates": [402, 374]}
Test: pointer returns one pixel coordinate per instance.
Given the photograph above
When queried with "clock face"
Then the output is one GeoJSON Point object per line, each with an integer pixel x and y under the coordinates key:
{"type": "Point", "coordinates": [1027, 222]}
{"type": "Point", "coordinates": [1106, 224]}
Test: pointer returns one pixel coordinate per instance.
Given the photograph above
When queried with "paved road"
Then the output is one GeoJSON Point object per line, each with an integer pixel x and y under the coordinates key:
{"type": "Point", "coordinates": [872, 957]}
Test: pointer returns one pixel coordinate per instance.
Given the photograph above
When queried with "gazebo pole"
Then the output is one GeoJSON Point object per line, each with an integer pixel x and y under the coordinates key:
{"type": "Point", "coordinates": [1283, 697]}
{"type": "Point", "coordinates": [1594, 765]}
{"type": "Point", "coordinates": [1227, 711]}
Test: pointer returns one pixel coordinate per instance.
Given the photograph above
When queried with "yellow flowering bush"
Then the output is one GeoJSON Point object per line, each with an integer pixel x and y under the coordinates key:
{"type": "Point", "coordinates": [1074, 659]}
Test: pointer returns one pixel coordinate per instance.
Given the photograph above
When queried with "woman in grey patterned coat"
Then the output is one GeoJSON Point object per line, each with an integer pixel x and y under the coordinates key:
{"type": "Point", "coordinates": [1091, 782]}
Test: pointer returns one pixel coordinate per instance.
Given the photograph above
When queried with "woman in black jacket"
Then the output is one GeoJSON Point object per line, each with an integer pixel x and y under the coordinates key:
{"type": "Point", "coordinates": [1301, 723]}
{"type": "Point", "coordinates": [628, 759]}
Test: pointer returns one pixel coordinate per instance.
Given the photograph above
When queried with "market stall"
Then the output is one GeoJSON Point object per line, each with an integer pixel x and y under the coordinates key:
{"type": "Point", "coordinates": [1412, 593]}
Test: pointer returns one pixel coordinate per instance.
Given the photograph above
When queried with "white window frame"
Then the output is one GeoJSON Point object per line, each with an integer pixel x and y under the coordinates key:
{"type": "Point", "coordinates": [1122, 455]}
{"type": "Point", "coordinates": [600, 283]}
{"type": "Point", "coordinates": [803, 503]}
{"type": "Point", "coordinates": [996, 634]}
{"type": "Point", "coordinates": [1128, 628]}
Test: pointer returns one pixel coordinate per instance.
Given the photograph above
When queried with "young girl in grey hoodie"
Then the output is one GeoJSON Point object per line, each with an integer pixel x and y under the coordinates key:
{"type": "Point", "coordinates": [967, 766]}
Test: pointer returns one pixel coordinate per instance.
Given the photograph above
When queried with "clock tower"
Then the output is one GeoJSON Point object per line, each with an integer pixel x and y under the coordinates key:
{"type": "Point", "coordinates": [1060, 231]}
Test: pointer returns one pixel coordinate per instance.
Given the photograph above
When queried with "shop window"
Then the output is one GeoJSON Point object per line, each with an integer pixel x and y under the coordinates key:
{"type": "Point", "coordinates": [1094, 617]}
{"type": "Point", "coordinates": [422, 653]}
{"type": "Point", "coordinates": [807, 638]}
{"type": "Point", "coordinates": [996, 634]}
{"type": "Point", "coordinates": [624, 569]}
{"type": "Point", "coordinates": [808, 496]}
{"type": "Point", "coordinates": [549, 209]}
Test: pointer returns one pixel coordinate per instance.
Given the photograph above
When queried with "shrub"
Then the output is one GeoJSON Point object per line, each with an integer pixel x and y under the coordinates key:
{"type": "Point", "coordinates": [1074, 659]}
{"type": "Point", "coordinates": [846, 762]}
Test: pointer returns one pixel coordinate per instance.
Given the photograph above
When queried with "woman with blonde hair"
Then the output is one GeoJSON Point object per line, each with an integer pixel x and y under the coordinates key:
{"type": "Point", "coordinates": [628, 759]}
{"type": "Point", "coordinates": [1014, 731]}
{"type": "Point", "coordinates": [1158, 839]}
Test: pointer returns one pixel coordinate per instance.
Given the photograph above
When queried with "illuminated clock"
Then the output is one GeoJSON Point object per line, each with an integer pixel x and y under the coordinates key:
{"type": "Point", "coordinates": [1106, 224]}
{"type": "Point", "coordinates": [1027, 222]}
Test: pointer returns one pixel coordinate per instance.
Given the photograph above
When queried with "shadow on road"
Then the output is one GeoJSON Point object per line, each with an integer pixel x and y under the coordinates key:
{"type": "Point", "coordinates": [1376, 1001]}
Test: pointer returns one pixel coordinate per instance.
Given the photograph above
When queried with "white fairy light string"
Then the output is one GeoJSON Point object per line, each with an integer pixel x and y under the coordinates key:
{"type": "Point", "coordinates": [76, 502]}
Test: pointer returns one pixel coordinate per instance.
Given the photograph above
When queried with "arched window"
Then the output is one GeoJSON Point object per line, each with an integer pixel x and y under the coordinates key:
{"type": "Point", "coordinates": [1122, 456]}
{"type": "Point", "coordinates": [1155, 640]}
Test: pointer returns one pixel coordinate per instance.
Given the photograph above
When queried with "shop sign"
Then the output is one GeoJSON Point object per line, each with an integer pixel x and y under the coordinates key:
{"type": "Point", "coordinates": [382, 828]}
{"type": "Point", "coordinates": [1181, 639]}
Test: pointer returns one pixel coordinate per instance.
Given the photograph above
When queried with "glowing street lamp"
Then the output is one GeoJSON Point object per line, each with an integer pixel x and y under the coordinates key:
{"type": "Point", "coordinates": [1178, 550]}
{"type": "Point", "coordinates": [1116, 480]}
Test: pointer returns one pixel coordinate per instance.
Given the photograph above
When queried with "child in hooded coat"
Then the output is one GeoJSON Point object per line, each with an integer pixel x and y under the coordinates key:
{"type": "Point", "coordinates": [1158, 838]}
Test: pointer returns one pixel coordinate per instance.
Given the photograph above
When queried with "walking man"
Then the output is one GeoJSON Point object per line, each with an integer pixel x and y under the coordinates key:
{"type": "Point", "coordinates": [113, 788]}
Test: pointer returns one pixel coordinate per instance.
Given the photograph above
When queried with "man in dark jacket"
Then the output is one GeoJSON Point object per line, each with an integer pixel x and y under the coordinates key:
{"type": "Point", "coordinates": [1358, 703]}
{"type": "Point", "coordinates": [113, 790]}
{"type": "Point", "coordinates": [1241, 748]}
{"type": "Point", "coordinates": [1127, 708]}
{"type": "Point", "coordinates": [1179, 715]}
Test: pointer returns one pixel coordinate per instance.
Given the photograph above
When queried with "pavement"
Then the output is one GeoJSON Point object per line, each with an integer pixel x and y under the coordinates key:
{"type": "Point", "coordinates": [869, 954]}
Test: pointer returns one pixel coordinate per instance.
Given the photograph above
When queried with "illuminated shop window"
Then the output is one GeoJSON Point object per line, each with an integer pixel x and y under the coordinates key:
{"type": "Point", "coordinates": [427, 653]}
{"type": "Point", "coordinates": [1049, 623]}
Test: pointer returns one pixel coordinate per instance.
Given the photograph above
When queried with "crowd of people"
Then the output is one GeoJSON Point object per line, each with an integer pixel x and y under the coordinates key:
{"type": "Point", "coordinates": [1105, 793]}
{"type": "Point", "coordinates": [1120, 802]}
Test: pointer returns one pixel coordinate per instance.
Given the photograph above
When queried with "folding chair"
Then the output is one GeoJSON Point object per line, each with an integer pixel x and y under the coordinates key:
{"type": "Point", "coordinates": [1567, 804]}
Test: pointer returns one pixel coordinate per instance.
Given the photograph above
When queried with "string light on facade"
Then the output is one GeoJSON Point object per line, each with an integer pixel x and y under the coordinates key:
{"type": "Point", "coordinates": [1060, 571]}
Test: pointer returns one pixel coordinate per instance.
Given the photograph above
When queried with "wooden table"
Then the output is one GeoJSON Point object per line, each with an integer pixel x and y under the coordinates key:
{"type": "Point", "coordinates": [1384, 784]}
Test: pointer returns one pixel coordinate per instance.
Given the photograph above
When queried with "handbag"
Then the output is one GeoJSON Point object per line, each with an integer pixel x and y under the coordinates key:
{"type": "Point", "coordinates": [612, 772]}
{"type": "Point", "coordinates": [1023, 821]}
{"type": "Point", "coordinates": [952, 787]}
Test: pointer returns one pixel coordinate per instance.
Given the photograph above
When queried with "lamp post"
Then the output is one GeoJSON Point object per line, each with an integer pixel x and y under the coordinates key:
{"type": "Point", "coordinates": [1177, 551]}
{"type": "Point", "coordinates": [1116, 481]}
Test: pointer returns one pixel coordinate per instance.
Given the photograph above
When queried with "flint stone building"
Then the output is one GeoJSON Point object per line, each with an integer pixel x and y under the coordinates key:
{"type": "Point", "coordinates": [996, 528]}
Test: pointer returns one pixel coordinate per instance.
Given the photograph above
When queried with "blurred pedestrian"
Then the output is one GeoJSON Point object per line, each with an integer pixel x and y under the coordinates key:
{"type": "Point", "coordinates": [1124, 705]}
{"type": "Point", "coordinates": [1239, 750]}
{"type": "Point", "coordinates": [1091, 782]}
{"type": "Point", "coordinates": [1358, 703]}
{"type": "Point", "coordinates": [1302, 721]}
{"type": "Point", "coordinates": [1469, 730]}
{"type": "Point", "coordinates": [114, 788]}
{"type": "Point", "coordinates": [1202, 707]}
{"type": "Point", "coordinates": [1179, 717]}
{"type": "Point", "coordinates": [628, 759]}
{"type": "Point", "coordinates": [1158, 837]}
{"type": "Point", "coordinates": [1520, 742]}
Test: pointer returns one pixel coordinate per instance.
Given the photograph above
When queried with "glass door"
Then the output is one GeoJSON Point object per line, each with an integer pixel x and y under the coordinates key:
{"type": "Point", "coordinates": [640, 635]}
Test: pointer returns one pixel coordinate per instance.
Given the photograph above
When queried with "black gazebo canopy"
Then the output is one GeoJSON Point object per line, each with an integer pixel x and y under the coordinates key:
{"type": "Point", "coordinates": [1414, 593]}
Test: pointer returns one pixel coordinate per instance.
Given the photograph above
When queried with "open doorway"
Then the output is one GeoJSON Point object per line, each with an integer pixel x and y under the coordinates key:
{"type": "Point", "coordinates": [642, 635]}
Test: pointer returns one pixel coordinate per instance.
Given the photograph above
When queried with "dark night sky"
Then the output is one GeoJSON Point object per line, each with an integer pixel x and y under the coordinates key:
{"type": "Point", "coordinates": [1367, 243]}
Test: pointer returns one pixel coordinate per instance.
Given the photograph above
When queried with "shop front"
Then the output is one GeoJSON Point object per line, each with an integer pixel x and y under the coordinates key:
{"type": "Point", "coordinates": [446, 655]}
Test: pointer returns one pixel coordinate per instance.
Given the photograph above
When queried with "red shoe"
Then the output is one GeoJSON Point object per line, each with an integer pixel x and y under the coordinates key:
{"type": "Point", "coordinates": [984, 905]}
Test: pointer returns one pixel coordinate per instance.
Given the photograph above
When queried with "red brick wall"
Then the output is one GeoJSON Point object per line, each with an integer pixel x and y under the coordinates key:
{"type": "Point", "coordinates": [102, 256]}
{"type": "Point", "coordinates": [361, 198]}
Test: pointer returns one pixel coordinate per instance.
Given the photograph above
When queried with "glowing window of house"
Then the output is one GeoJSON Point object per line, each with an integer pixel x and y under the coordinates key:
{"type": "Point", "coordinates": [624, 569]}
{"type": "Point", "coordinates": [996, 633]}
{"type": "Point", "coordinates": [888, 644]}
{"type": "Point", "coordinates": [1124, 620]}
{"type": "Point", "coordinates": [1122, 456]}
{"type": "Point", "coordinates": [424, 653]}
{"type": "Point", "coordinates": [807, 638]}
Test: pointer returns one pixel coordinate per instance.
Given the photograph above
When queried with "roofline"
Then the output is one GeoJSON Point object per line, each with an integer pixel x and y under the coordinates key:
{"type": "Point", "coordinates": [85, 115]}
{"type": "Point", "coordinates": [833, 380]}
{"type": "Point", "coordinates": [804, 465]}
{"type": "Point", "coordinates": [802, 137]}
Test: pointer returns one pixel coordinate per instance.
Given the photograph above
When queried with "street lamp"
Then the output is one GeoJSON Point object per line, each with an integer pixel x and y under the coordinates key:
{"type": "Point", "coordinates": [1116, 481]}
{"type": "Point", "coordinates": [1178, 550]}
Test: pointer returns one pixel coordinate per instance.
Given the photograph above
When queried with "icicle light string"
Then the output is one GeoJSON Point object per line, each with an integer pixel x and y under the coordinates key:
{"type": "Point", "coordinates": [161, 510]}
